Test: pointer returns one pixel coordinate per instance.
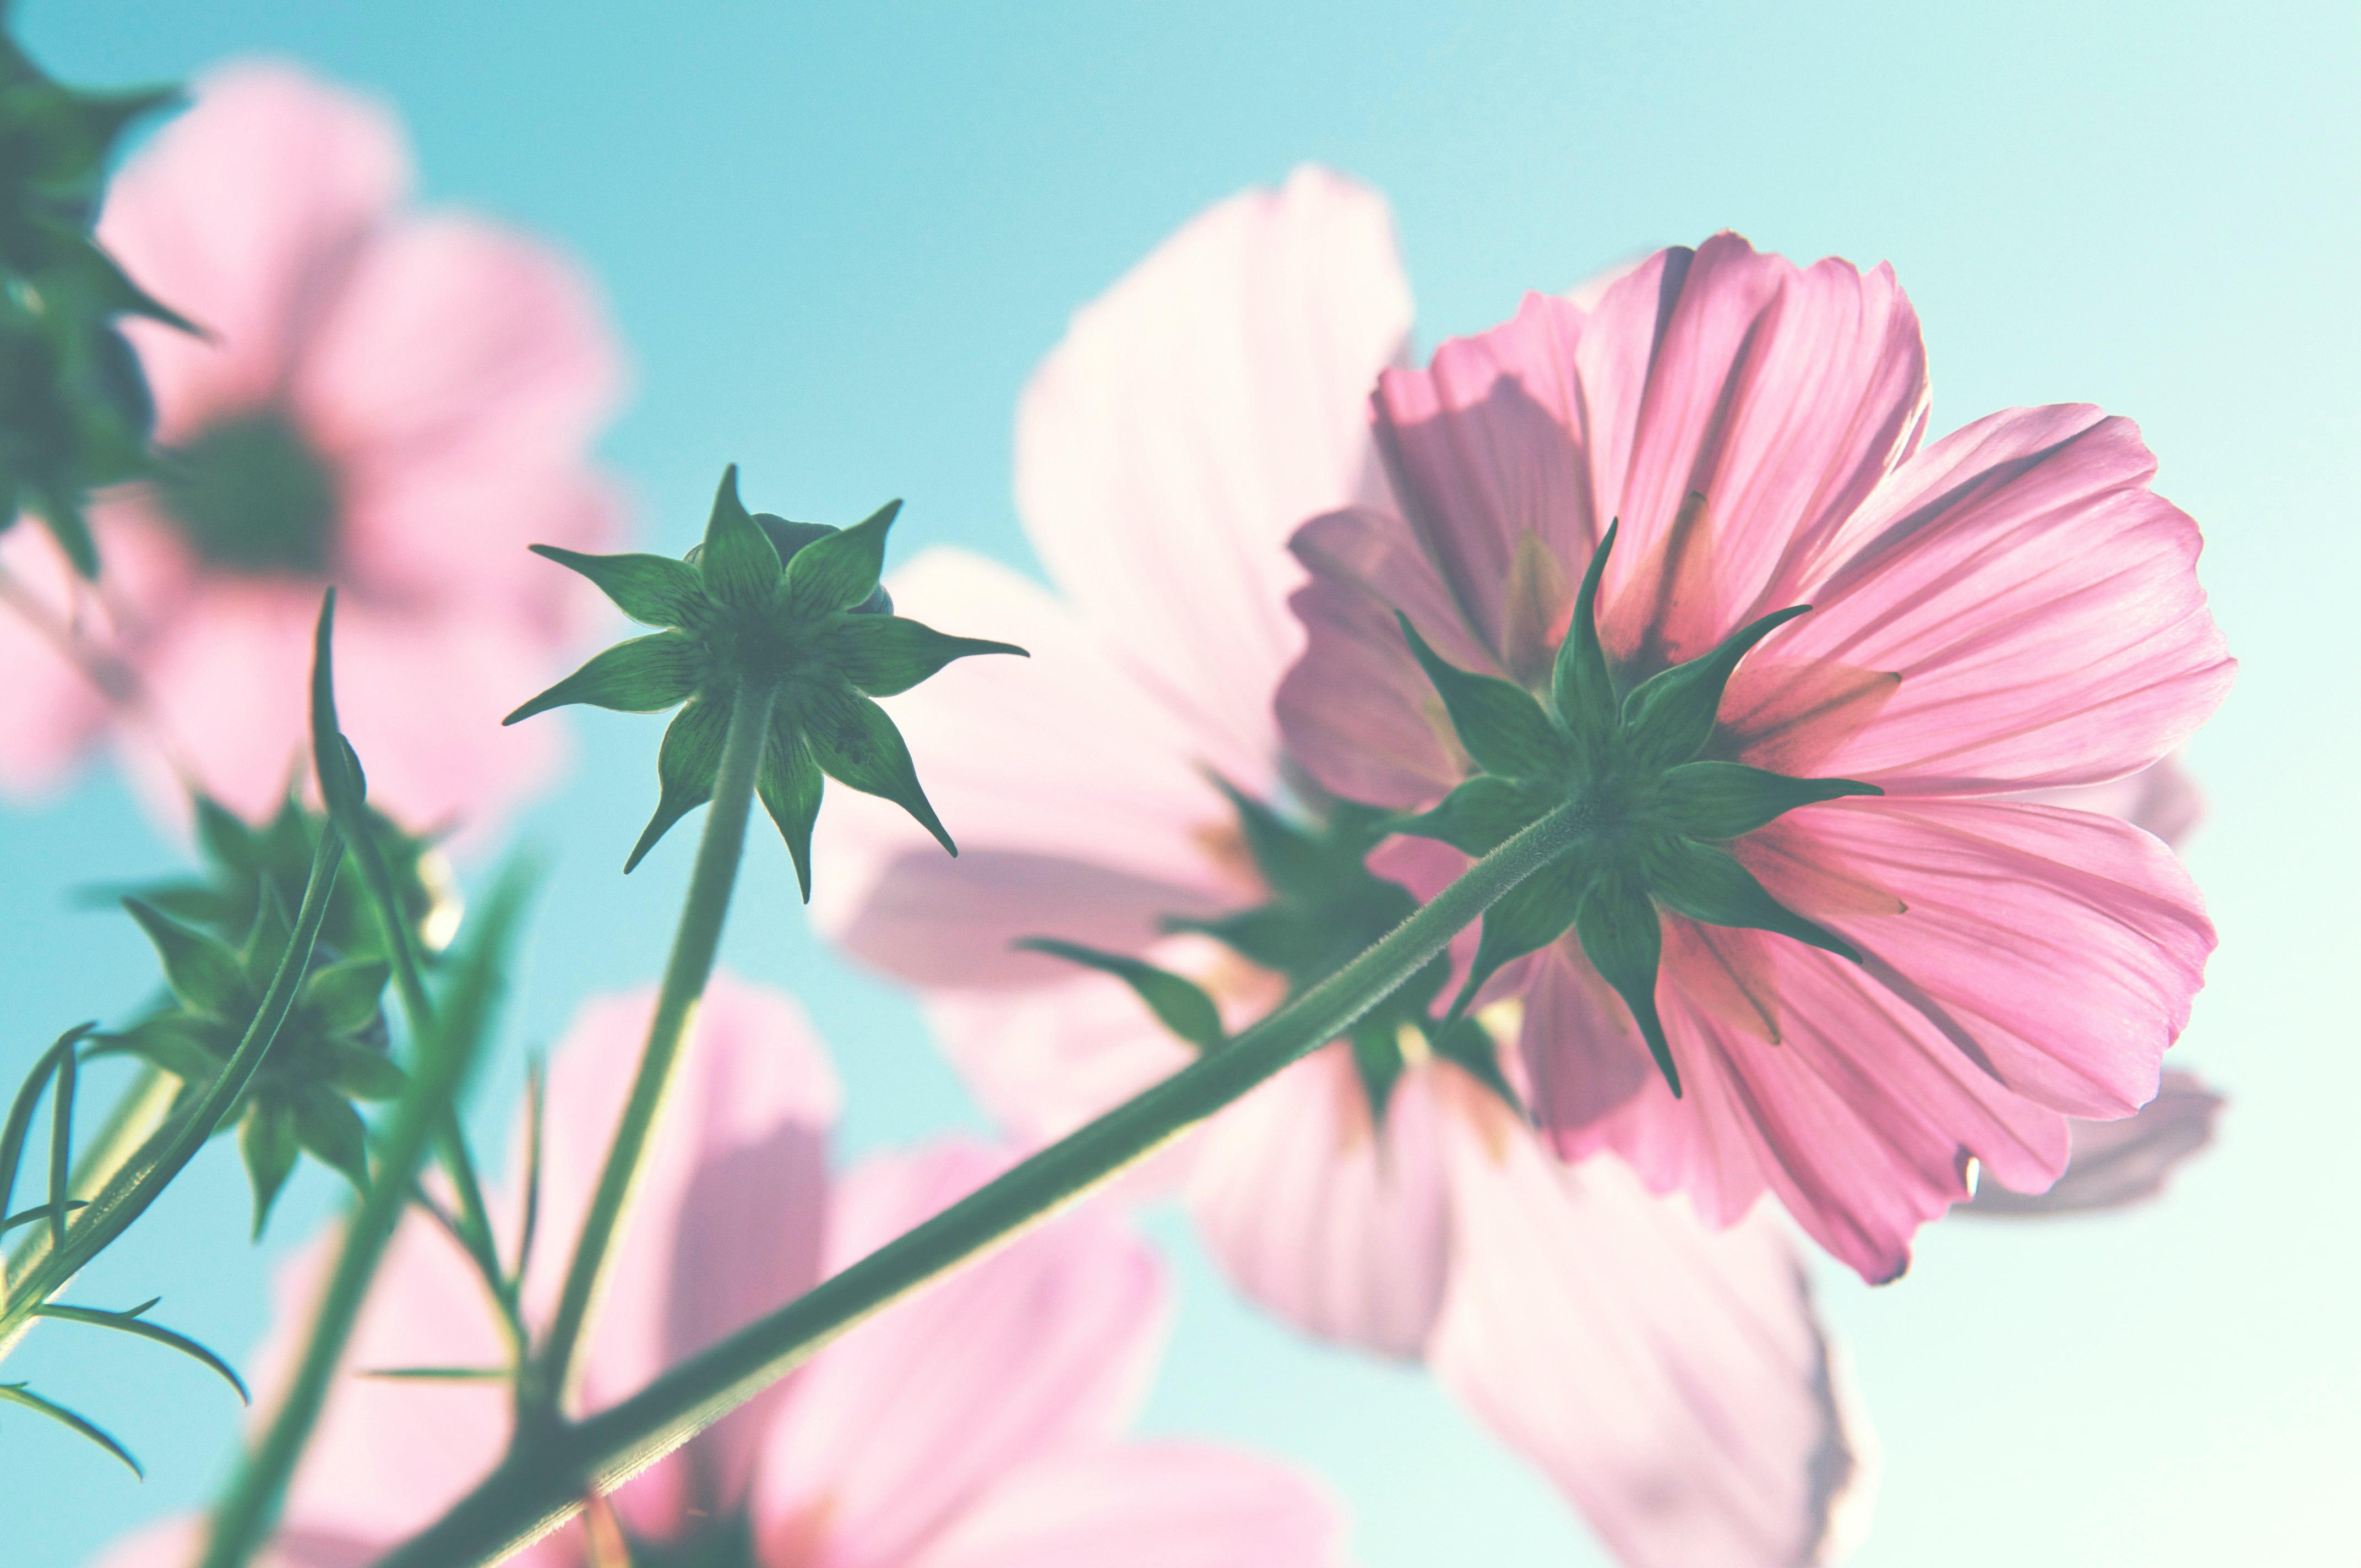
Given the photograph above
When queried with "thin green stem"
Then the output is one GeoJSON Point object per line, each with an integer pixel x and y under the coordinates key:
{"type": "Point", "coordinates": [547, 1475]}
{"type": "Point", "coordinates": [248, 1509]}
{"type": "Point", "coordinates": [126, 1195]}
{"type": "Point", "coordinates": [694, 947]}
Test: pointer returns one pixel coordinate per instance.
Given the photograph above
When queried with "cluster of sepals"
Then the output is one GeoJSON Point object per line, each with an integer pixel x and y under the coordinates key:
{"type": "Point", "coordinates": [1652, 816]}
{"type": "Point", "coordinates": [221, 939]}
{"type": "Point", "coordinates": [74, 409]}
{"type": "Point", "coordinates": [794, 608]}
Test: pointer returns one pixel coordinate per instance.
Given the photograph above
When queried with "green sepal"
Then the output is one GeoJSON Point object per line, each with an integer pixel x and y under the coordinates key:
{"type": "Point", "coordinates": [1179, 1003]}
{"type": "Point", "coordinates": [360, 1072]}
{"type": "Point", "coordinates": [133, 1323]}
{"type": "Point", "coordinates": [654, 590]}
{"type": "Point", "coordinates": [739, 563]}
{"type": "Point", "coordinates": [885, 656]}
{"type": "Point", "coordinates": [71, 530]}
{"type": "Point", "coordinates": [329, 1130]}
{"type": "Point", "coordinates": [266, 1141]}
{"type": "Point", "coordinates": [1525, 919]}
{"type": "Point", "coordinates": [266, 941]}
{"type": "Point", "coordinates": [343, 788]}
{"type": "Point", "coordinates": [856, 744]}
{"type": "Point", "coordinates": [1289, 860]}
{"type": "Point", "coordinates": [168, 1043]}
{"type": "Point", "coordinates": [345, 997]}
{"type": "Point", "coordinates": [839, 570]}
{"type": "Point", "coordinates": [646, 675]}
{"type": "Point", "coordinates": [202, 972]}
{"type": "Point", "coordinates": [17, 1394]}
{"type": "Point", "coordinates": [226, 838]}
{"type": "Point", "coordinates": [791, 783]}
{"type": "Point", "coordinates": [1581, 688]}
{"type": "Point", "coordinates": [1669, 716]}
{"type": "Point", "coordinates": [1469, 1045]}
{"type": "Point", "coordinates": [1709, 885]}
{"type": "Point", "coordinates": [1503, 728]}
{"type": "Point", "coordinates": [1483, 813]}
{"type": "Point", "coordinates": [1624, 937]}
{"type": "Point", "coordinates": [1270, 935]}
{"type": "Point", "coordinates": [1726, 800]}
{"type": "Point", "coordinates": [686, 764]}
{"type": "Point", "coordinates": [1377, 1059]}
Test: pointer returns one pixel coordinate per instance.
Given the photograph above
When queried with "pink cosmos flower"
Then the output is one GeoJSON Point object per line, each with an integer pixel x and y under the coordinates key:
{"type": "Point", "coordinates": [2011, 608]}
{"type": "Point", "coordinates": [977, 1426]}
{"type": "Point", "coordinates": [394, 402]}
{"type": "Point", "coordinates": [1671, 1379]}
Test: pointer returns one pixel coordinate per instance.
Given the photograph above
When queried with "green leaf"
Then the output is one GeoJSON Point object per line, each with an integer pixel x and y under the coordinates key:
{"type": "Point", "coordinates": [131, 1322]}
{"type": "Point", "coordinates": [1498, 722]}
{"type": "Point", "coordinates": [17, 1394]}
{"type": "Point", "coordinates": [1725, 800]}
{"type": "Point", "coordinates": [438, 1374]}
{"type": "Point", "coordinates": [839, 571]}
{"type": "Point", "coordinates": [19, 1125]}
{"type": "Point", "coordinates": [345, 997]}
{"type": "Point", "coordinates": [1669, 716]}
{"type": "Point", "coordinates": [331, 1132]}
{"type": "Point", "coordinates": [1178, 1003]}
{"type": "Point", "coordinates": [885, 655]}
{"type": "Point", "coordinates": [1580, 687]}
{"type": "Point", "coordinates": [790, 783]}
{"type": "Point", "coordinates": [1525, 919]}
{"type": "Point", "coordinates": [654, 590]}
{"type": "Point", "coordinates": [856, 744]}
{"type": "Point", "coordinates": [686, 764]}
{"type": "Point", "coordinates": [1624, 940]}
{"type": "Point", "coordinates": [738, 561]}
{"type": "Point", "coordinates": [265, 1139]}
{"type": "Point", "coordinates": [341, 787]}
{"type": "Point", "coordinates": [61, 1107]}
{"type": "Point", "coordinates": [646, 675]}
{"type": "Point", "coordinates": [1709, 885]}
{"type": "Point", "coordinates": [1483, 814]}
{"type": "Point", "coordinates": [171, 1041]}
{"type": "Point", "coordinates": [361, 1072]}
{"type": "Point", "coordinates": [203, 971]}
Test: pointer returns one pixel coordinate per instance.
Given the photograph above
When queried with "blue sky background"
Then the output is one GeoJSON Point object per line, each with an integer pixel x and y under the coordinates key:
{"type": "Point", "coordinates": [836, 240]}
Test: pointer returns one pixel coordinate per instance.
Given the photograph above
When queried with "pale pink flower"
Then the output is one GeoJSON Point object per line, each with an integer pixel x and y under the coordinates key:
{"type": "Point", "coordinates": [2011, 608]}
{"type": "Point", "coordinates": [393, 400]}
{"type": "Point", "coordinates": [1671, 1380]}
{"type": "Point", "coordinates": [976, 1425]}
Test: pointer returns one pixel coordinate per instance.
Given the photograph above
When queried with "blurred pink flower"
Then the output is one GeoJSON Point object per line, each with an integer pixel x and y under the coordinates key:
{"type": "Point", "coordinates": [391, 400]}
{"type": "Point", "coordinates": [2011, 608]}
{"type": "Point", "coordinates": [977, 1426]}
{"type": "Point", "coordinates": [1673, 1381]}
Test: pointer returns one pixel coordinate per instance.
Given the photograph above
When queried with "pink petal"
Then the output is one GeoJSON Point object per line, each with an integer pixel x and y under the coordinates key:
{"type": "Point", "coordinates": [1357, 710]}
{"type": "Point", "coordinates": [1339, 1228]}
{"type": "Point", "coordinates": [1165, 1505]}
{"type": "Point", "coordinates": [2120, 1163]}
{"type": "Point", "coordinates": [1078, 804]}
{"type": "Point", "coordinates": [54, 709]}
{"type": "Point", "coordinates": [1672, 1380]}
{"type": "Point", "coordinates": [2036, 601]}
{"type": "Point", "coordinates": [2161, 798]}
{"type": "Point", "coordinates": [1044, 1059]}
{"type": "Point", "coordinates": [895, 1429]}
{"type": "Point", "coordinates": [243, 215]}
{"type": "Point", "coordinates": [727, 1222]}
{"type": "Point", "coordinates": [1191, 418]}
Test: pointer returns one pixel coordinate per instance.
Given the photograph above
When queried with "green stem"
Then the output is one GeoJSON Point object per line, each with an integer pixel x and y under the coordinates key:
{"type": "Point", "coordinates": [547, 1475]}
{"type": "Point", "coordinates": [694, 947]}
{"type": "Point", "coordinates": [244, 1515]}
{"type": "Point", "coordinates": [128, 1193]}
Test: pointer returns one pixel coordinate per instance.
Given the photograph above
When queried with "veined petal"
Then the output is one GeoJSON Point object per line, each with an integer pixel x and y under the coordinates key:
{"type": "Point", "coordinates": [1192, 417]}
{"type": "Point", "coordinates": [1673, 1380]}
{"type": "Point", "coordinates": [1337, 1224]}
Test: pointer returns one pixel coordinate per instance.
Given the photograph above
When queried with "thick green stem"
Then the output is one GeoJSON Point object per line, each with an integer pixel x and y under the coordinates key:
{"type": "Point", "coordinates": [694, 947]}
{"type": "Point", "coordinates": [548, 1473]}
{"type": "Point", "coordinates": [247, 1511]}
{"type": "Point", "coordinates": [128, 1193]}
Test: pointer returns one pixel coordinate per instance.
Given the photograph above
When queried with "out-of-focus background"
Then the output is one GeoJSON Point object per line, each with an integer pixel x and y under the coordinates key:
{"type": "Point", "coordinates": [838, 238]}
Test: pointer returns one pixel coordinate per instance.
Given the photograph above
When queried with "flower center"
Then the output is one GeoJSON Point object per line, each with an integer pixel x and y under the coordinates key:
{"type": "Point", "coordinates": [252, 496]}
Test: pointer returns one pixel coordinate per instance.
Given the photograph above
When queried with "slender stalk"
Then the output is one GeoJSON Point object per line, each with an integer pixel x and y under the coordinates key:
{"type": "Point", "coordinates": [694, 947]}
{"type": "Point", "coordinates": [547, 1475]}
{"type": "Point", "coordinates": [247, 1511]}
{"type": "Point", "coordinates": [130, 1191]}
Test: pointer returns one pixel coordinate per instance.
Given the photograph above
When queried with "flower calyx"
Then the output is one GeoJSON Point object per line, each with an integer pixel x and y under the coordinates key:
{"type": "Point", "coordinates": [796, 607]}
{"type": "Point", "coordinates": [1655, 816]}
